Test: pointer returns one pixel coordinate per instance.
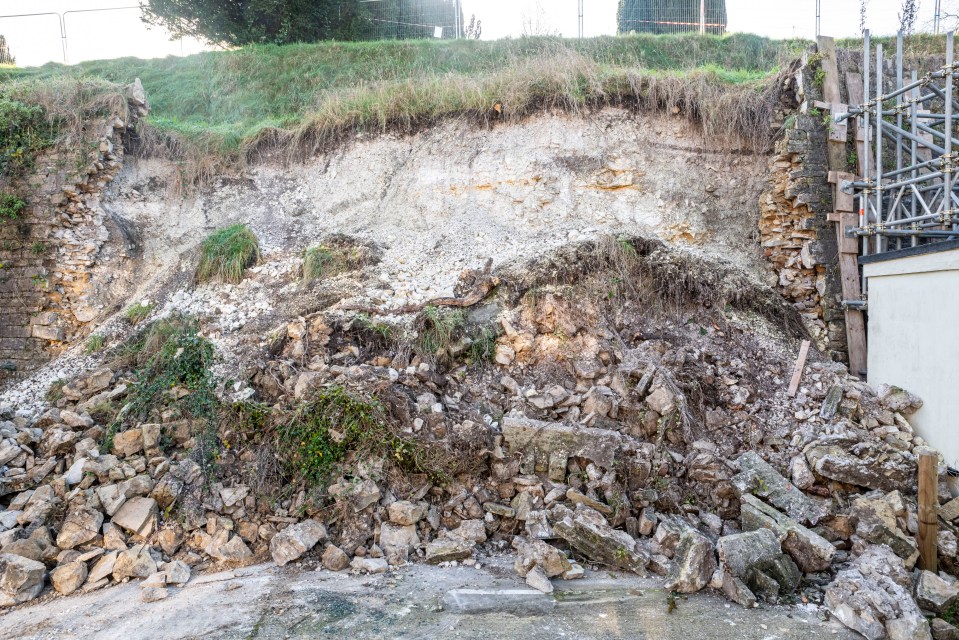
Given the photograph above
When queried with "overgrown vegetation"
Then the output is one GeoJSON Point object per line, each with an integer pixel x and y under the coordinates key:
{"type": "Point", "coordinates": [23, 133]}
{"type": "Point", "coordinates": [215, 111]}
{"type": "Point", "coordinates": [227, 253]}
{"type": "Point", "coordinates": [11, 206]}
{"type": "Point", "coordinates": [175, 376]}
{"type": "Point", "coordinates": [334, 424]}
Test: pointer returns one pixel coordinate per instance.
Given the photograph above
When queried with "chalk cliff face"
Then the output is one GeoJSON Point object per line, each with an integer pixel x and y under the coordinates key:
{"type": "Point", "coordinates": [454, 196]}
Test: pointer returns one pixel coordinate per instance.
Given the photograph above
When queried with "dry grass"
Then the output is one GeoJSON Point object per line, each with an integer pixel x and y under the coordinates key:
{"type": "Point", "coordinates": [736, 114]}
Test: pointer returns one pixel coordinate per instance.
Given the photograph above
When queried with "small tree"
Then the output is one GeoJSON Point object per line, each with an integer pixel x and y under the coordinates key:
{"type": "Point", "coordinates": [5, 56]}
{"type": "Point", "coordinates": [908, 15]}
{"type": "Point", "coordinates": [537, 23]}
{"type": "Point", "coordinates": [863, 7]}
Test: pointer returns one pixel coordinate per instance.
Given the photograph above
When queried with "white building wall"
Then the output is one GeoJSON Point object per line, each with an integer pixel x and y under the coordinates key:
{"type": "Point", "coordinates": [914, 339]}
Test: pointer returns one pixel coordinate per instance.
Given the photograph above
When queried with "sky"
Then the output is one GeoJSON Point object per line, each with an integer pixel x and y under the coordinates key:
{"type": "Point", "coordinates": [111, 34]}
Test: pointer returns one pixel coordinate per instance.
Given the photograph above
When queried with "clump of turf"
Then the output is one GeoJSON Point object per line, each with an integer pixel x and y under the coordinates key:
{"type": "Point", "coordinates": [227, 253]}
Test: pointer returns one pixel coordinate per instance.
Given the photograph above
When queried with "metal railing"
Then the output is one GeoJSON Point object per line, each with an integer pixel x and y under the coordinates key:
{"type": "Point", "coordinates": [62, 19]}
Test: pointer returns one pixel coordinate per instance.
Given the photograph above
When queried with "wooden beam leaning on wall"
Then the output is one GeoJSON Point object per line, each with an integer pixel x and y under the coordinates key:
{"type": "Point", "coordinates": [844, 205]}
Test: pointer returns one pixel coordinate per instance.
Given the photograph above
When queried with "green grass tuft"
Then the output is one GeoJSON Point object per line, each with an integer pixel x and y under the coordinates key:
{"type": "Point", "coordinates": [137, 312]}
{"type": "Point", "coordinates": [317, 262]}
{"type": "Point", "coordinates": [227, 253]}
{"type": "Point", "coordinates": [437, 330]}
{"type": "Point", "coordinates": [94, 344]}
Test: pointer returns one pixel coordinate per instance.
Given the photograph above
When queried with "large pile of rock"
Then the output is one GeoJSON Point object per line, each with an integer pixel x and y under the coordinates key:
{"type": "Point", "coordinates": [680, 456]}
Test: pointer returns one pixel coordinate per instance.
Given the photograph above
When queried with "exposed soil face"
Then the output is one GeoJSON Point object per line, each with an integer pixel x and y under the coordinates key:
{"type": "Point", "coordinates": [452, 197]}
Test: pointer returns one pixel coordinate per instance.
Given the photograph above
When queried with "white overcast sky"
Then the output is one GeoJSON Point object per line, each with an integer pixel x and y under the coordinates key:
{"type": "Point", "coordinates": [110, 34]}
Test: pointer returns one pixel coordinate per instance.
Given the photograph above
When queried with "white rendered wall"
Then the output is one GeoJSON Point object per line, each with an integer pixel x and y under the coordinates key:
{"type": "Point", "coordinates": [914, 339]}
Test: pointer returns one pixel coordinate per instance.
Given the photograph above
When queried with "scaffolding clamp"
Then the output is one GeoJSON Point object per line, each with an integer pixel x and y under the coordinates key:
{"type": "Point", "coordinates": [854, 305]}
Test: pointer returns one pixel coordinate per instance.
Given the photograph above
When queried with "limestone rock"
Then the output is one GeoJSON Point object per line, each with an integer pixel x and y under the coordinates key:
{"type": "Point", "coordinates": [152, 594]}
{"type": "Point", "coordinates": [693, 563]}
{"type": "Point", "coordinates": [69, 577]}
{"type": "Point", "coordinates": [755, 559]}
{"type": "Point", "coordinates": [865, 463]}
{"type": "Point", "coordinates": [21, 579]}
{"type": "Point", "coordinates": [406, 513]}
{"type": "Point", "coordinates": [103, 567]}
{"type": "Point", "coordinates": [474, 530]}
{"type": "Point", "coordinates": [397, 541]}
{"type": "Point", "coordinates": [808, 549]}
{"type": "Point", "coordinates": [335, 559]}
{"type": "Point", "coordinates": [135, 562]}
{"type": "Point", "coordinates": [228, 549]}
{"type": "Point", "coordinates": [759, 478]}
{"type": "Point", "coordinates": [536, 553]}
{"type": "Point", "coordinates": [128, 443]}
{"type": "Point", "coordinates": [138, 515]}
{"type": "Point", "coordinates": [942, 630]}
{"type": "Point", "coordinates": [177, 572]}
{"type": "Point", "coordinates": [291, 543]}
{"type": "Point", "coordinates": [587, 531]}
{"type": "Point", "coordinates": [537, 579]}
{"type": "Point", "coordinates": [935, 594]}
{"type": "Point", "coordinates": [81, 525]}
{"type": "Point", "coordinates": [369, 565]}
{"type": "Point", "coordinates": [448, 548]}
{"type": "Point", "coordinates": [873, 597]}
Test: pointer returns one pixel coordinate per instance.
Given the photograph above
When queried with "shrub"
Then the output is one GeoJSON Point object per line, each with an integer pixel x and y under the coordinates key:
{"type": "Point", "coordinates": [227, 253]}
{"type": "Point", "coordinates": [137, 312]}
{"type": "Point", "coordinates": [24, 132]}
{"type": "Point", "coordinates": [11, 207]}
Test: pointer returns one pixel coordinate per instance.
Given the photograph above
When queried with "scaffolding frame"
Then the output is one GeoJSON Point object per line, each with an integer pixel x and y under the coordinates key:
{"type": "Point", "coordinates": [906, 193]}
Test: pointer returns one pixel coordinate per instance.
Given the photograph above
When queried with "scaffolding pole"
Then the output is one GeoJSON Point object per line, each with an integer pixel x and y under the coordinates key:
{"type": "Point", "coordinates": [908, 191]}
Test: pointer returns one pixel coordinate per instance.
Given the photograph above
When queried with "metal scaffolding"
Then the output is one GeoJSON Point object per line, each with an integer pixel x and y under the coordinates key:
{"type": "Point", "coordinates": [907, 193]}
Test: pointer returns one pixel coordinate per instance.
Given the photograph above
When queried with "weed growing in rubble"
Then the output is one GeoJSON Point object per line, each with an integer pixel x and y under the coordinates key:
{"type": "Point", "coordinates": [227, 253]}
{"type": "Point", "coordinates": [483, 344]}
{"type": "Point", "coordinates": [317, 262]}
{"type": "Point", "coordinates": [55, 392]}
{"type": "Point", "coordinates": [176, 375]}
{"type": "Point", "coordinates": [94, 344]}
{"type": "Point", "coordinates": [137, 312]}
{"type": "Point", "coordinates": [437, 329]}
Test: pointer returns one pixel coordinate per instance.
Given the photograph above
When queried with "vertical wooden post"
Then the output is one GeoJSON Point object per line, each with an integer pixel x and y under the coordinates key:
{"type": "Point", "coordinates": [928, 507]}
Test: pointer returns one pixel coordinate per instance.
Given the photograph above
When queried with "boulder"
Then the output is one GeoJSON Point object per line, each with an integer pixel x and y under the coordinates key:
{"type": "Point", "coordinates": [82, 525]}
{"type": "Point", "coordinates": [137, 515]}
{"type": "Point", "coordinates": [397, 541]}
{"type": "Point", "coordinates": [537, 579]}
{"type": "Point", "coordinates": [69, 577]}
{"type": "Point", "coordinates": [406, 513]}
{"type": "Point", "coordinates": [693, 563]}
{"type": "Point", "coordinates": [228, 549]}
{"type": "Point", "coordinates": [872, 597]}
{"type": "Point", "coordinates": [177, 572]}
{"type": "Point", "coordinates": [446, 549]}
{"type": "Point", "coordinates": [21, 579]}
{"type": "Point", "coordinates": [369, 565]}
{"type": "Point", "coordinates": [334, 558]}
{"type": "Point", "coordinates": [942, 630]}
{"type": "Point", "coordinates": [128, 443]}
{"type": "Point", "coordinates": [135, 562]}
{"type": "Point", "coordinates": [810, 551]}
{"type": "Point", "coordinates": [757, 477]}
{"type": "Point", "coordinates": [756, 561]}
{"type": "Point", "coordinates": [935, 594]}
{"type": "Point", "coordinates": [587, 531]}
{"type": "Point", "coordinates": [291, 543]}
{"type": "Point", "coordinates": [474, 530]}
{"type": "Point", "coordinates": [536, 553]}
{"type": "Point", "coordinates": [103, 567]}
{"type": "Point", "coordinates": [865, 463]}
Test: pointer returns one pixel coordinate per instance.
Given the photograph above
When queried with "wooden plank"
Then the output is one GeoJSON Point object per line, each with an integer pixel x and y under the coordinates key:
{"type": "Point", "coordinates": [797, 371]}
{"type": "Point", "coordinates": [848, 220]}
{"type": "Point", "coordinates": [844, 201]}
{"type": "Point", "coordinates": [928, 505]}
{"type": "Point", "coordinates": [838, 131]}
{"type": "Point", "coordinates": [835, 150]}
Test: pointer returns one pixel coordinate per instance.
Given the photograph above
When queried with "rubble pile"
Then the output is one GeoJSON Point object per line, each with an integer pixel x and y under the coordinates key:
{"type": "Point", "coordinates": [594, 433]}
